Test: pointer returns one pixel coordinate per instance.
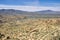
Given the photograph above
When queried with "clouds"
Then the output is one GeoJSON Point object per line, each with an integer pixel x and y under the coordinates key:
{"type": "Point", "coordinates": [50, 3]}
{"type": "Point", "coordinates": [20, 2]}
{"type": "Point", "coordinates": [29, 8]}
{"type": "Point", "coordinates": [32, 3]}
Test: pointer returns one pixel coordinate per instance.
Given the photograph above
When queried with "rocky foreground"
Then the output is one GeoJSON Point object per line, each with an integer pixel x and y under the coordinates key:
{"type": "Point", "coordinates": [22, 28]}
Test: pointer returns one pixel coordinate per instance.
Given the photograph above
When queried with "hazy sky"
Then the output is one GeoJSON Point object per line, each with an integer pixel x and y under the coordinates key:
{"type": "Point", "coordinates": [31, 5]}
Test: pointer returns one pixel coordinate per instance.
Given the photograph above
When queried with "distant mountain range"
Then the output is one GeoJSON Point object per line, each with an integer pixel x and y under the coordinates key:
{"type": "Point", "coordinates": [12, 11]}
{"type": "Point", "coordinates": [43, 13]}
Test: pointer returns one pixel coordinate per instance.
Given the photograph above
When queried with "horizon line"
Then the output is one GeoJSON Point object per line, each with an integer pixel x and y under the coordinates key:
{"type": "Point", "coordinates": [29, 8]}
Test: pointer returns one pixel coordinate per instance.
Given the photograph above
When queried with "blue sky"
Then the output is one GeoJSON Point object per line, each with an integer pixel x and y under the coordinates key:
{"type": "Point", "coordinates": [31, 5]}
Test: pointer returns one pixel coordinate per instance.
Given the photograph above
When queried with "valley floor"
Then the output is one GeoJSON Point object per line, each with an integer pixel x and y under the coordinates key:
{"type": "Point", "coordinates": [22, 28]}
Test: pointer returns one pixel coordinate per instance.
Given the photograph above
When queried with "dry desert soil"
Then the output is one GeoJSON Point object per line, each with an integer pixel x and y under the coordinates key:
{"type": "Point", "coordinates": [23, 28]}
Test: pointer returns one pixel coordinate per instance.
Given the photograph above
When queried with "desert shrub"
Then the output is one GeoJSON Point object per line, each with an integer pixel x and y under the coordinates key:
{"type": "Point", "coordinates": [56, 38]}
{"type": "Point", "coordinates": [8, 37]}
{"type": "Point", "coordinates": [13, 39]}
{"type": "Point", "coordinates": [2, 35]}
{"type": "Point", "coordinates": [1, 21]}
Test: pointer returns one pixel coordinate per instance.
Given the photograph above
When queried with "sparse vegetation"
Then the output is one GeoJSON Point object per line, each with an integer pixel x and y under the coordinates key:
{"type": "Point", "coordinates": [14, 27]}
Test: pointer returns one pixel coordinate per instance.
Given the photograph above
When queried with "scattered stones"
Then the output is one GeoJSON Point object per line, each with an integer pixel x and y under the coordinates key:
{"type": "Point", "coordinates": [2, 35]}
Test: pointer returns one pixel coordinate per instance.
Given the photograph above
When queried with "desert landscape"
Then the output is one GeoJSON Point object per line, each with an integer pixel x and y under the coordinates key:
{"type": "Point", "coordinates": [26, 27]}
{"type": "Point", "coordinates": [29, 19]}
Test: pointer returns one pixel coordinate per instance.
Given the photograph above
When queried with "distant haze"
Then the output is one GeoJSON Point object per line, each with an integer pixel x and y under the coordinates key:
{"type": "Point", "coordinates": [29, 8]}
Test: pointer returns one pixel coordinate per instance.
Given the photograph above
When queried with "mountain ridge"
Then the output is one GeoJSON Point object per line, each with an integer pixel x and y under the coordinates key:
{"type": "Point", "coordinates": [13, 11]}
